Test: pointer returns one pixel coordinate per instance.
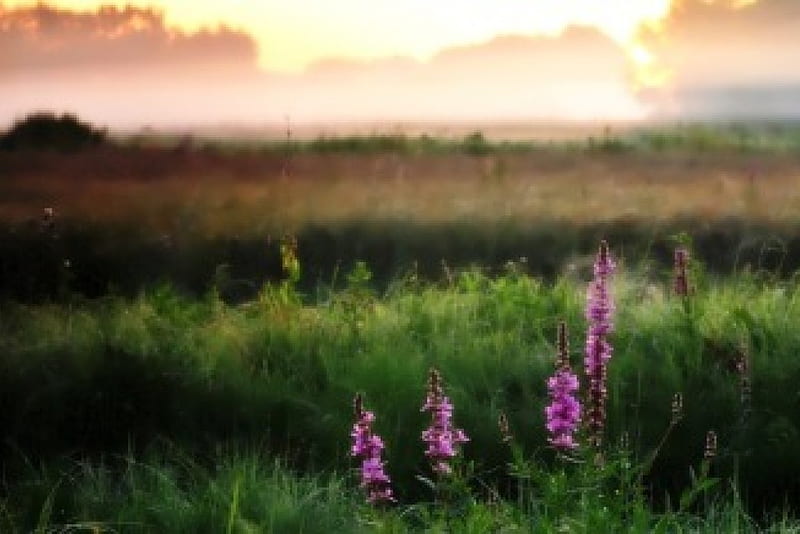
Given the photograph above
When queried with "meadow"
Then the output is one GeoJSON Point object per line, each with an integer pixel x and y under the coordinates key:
{"type": "Point", "coordinates": [184, 334]}
{"type": "Point", "coordinates": [192, 212]}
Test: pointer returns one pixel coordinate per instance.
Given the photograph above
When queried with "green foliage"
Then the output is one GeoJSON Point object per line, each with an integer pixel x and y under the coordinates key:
{"type": "Point", "coordinates": [374, 143]}
{"type": "Point", "coordinates": [129, 260]}
{"type": "Point", "coordinates": [476, 144]}
{"type": "Point", "coordinates": [289, 261]}
{"type": "Point", "coordinates": [753, 137]}
{"type": "Point", "coordinates": [115, 376]}
{"type": "Point", "coordinates": [251, 493]}
{"type": "Point", "coordinates": [243, 493]}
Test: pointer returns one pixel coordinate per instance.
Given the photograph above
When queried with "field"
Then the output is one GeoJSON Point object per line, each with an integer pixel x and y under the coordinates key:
{"type": "Point", "coordinates": [184, 333]}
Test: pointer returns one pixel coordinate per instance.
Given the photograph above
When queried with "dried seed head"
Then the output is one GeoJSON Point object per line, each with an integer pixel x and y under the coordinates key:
{"type": "Point", "coordinates": [603, 251]}
{"type": "Point", "coordinates": [48, 222]}
{"type": "Point", "coordinates": [625, 441]}
{"type": "Point", "coordinates": [711, 445]}
{"type": "Point", "coordinates": [681, 262]}
{"type": "Point", "coordinates": [604, 265]}
{"type": "Point", "coordinates": [745, 387]}
{"type": "Point", "coordinates": [434, 383]}
{"type": "Point", "coordinates": [677, 407]}
{"type": "Point", "coordinates": [562, 360]}
{"type": "Point", "coordinates": [448, 273]}
{"type": "Point", "coordinates": [358, 405]}
{"type": "Point", "coordinates": [505, 430]}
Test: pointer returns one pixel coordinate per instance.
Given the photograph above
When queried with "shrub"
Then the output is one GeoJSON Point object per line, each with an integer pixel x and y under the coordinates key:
{"type": "Point", "coordinates": [45, 130]}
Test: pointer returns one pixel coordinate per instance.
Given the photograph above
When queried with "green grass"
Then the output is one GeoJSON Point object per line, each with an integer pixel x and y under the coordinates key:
{"type": "Point", "coordinates": [126, 259]}
{"type": "Point", "coordinates": [242, 494]}
{"type": "Point", "coordinates": [748, 137]}
{"type": "Point", "coordinates": [168, 408]}
{"type": "Point", "coordinates": [97, 385]}
{"type": "Point", "coordinates": [250, 493]}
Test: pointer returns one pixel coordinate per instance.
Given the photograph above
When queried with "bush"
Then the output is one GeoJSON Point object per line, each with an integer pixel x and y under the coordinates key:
{"type": "Point", "coordinates": [476, 144]}
{"type": "Point", "coordinates": [42, 131]}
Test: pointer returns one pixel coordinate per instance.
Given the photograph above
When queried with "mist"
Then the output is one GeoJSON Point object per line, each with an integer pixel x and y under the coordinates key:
{"type": "Point", "coordinates": [126, 68]}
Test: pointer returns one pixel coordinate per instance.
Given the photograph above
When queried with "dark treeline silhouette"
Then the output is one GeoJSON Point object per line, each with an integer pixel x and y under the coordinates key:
{"type": "Point", "coordinates": [45, 130]}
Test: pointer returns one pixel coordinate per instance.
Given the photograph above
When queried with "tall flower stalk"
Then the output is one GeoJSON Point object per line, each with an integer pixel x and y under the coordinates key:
{"type": "Point", "coordinates": [564, 411]}
{"type": "Point", "coordinates": [441, 437]}
{"type": "Point", "coordinates": [598, 350]}
{"type": "Point", "coordinates": [367, 447]}
{"type": "Point", "coordinates": [745, 387]}
{"type": "Point", "coordinates": [681, 263]}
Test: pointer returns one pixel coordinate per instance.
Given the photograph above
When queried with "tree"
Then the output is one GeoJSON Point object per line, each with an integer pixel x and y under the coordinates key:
{"type": "Point", "coordinates": [43, 131]}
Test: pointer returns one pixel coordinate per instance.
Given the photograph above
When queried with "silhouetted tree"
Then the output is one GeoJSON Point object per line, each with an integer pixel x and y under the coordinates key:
{"type": "Point", "coordinates": [48, 131]}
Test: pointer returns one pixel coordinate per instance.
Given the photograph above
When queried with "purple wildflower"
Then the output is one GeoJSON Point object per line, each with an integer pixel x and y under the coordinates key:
{"type": "Point", "coordinates": [599, 309]}
{"type": "Point", "coordinates": [681, 285]}
{"type": "Point", "coordinates": [442, 439]}
{"type": "Point", "coordinates": [564, 411]}
{"type": "Point", "coordinates": [367, 447]}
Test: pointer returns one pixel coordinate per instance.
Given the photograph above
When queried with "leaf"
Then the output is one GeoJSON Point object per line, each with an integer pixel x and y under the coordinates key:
{"type": "Point", "coordinates": [47, 510]}
{"type": "Point", "coordinates": [427, 481]}
{"type": "Point", "coordinates": [234, 509]}
{"type": "Point", "coordinates": [690, 495]}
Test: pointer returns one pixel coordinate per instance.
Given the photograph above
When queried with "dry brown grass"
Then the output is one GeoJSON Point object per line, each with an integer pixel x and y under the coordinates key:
{"type": "Point", "coordinates": [241, 192]}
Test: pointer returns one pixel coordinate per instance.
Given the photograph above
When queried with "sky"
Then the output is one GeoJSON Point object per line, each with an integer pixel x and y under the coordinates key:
{"type": "Point", "coordinates": [251, 61]}
{"type": "Point", "coordinates": [292, 34]}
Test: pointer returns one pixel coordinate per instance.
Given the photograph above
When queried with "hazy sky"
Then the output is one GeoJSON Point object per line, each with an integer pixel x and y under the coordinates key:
{"type": "Point", "coordinates": [291, 34]}
{"type": "Point", "coordinates": [202, 61]}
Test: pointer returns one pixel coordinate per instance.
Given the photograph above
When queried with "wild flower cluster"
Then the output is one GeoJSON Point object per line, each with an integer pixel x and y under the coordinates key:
{"type": "Point", "coordinates": [563, 414]}
{"type": "Point", "coordinates": [441, 437]}
{"type": "Point", "coordinates": [599, 309]}
{"type": "Point", "coordinates": [368, 447]}
{"type": "Point", "coordinates": [564, 411]}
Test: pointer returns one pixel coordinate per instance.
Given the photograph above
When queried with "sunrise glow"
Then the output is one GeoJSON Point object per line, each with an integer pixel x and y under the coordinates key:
{"type": "Point", "coordinates": [294, 34]}
{"type": "Point", "coordinates": [363, 60]}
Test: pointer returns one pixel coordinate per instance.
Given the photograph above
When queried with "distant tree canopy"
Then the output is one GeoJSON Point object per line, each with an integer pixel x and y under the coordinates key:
{"type": "Point", "coordinates": [43, 131]}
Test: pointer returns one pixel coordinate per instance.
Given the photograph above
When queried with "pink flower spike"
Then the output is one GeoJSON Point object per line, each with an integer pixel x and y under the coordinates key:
{"type": "Point", "coordinates": [564, 411]}
{"type": "Point", "coordinates": [368, 447]}
{"type": "Point", "coordinates": [598, 351]}
{"type": "Point", "coordinates": [441, 438]}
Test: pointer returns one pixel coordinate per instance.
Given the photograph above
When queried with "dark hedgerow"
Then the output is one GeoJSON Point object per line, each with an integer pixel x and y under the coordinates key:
{"type": "Point", "coordinates": [47, 131]}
